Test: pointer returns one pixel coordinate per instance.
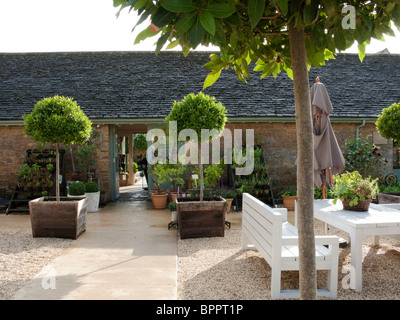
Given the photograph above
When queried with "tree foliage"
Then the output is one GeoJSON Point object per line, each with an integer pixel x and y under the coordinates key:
{"type": "Point", "coordinates": [257, 30]}
{"type": "Point", "coordinates": [388, 123]}
{"type": "Point", "coordinates": [58, 120]}
{"type": "Point", "coordinates": [197, 112]}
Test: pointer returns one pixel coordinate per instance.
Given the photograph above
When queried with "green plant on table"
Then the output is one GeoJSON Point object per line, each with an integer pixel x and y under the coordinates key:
{"type": "Point", "coordinates": [351, 185]}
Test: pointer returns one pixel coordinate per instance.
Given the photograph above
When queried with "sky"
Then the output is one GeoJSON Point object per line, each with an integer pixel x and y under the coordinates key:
{"type": "Point", "coordinates": [88, 25]}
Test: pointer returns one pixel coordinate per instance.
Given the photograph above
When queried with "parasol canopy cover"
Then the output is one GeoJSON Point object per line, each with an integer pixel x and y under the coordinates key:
{"type": "Point", "coordinates": [328, 158]}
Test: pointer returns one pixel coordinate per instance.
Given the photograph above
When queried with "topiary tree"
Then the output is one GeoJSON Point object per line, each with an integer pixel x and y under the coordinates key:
{"type": "Point", "coordinates": [198, 112]}
{"type": "Point", "coordinates": [140, 142]}
{"type": "Point", "coordinates": [58, 120]}
{"type": "Point", "coordinates": [388, 123]}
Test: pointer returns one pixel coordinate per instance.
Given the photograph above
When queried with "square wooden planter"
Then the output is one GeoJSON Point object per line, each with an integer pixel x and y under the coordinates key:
{"type": "Point", "coordinates": [58, 219]}
{"type": "Point", "coordinates": [385, 198]}
{"type": "Point", "coordinates": [197, 219]}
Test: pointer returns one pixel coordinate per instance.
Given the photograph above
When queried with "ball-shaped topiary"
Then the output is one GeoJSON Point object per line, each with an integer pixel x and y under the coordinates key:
{"type": "Point", "coordinates": [76, 188]}
{"type": "Point", "coordinates": [388, 123]}
{"type": "Point", "coordinates": [58, 120]}
{"type": "Point", "coordinates": [91, 187]}
{"type": "Point", "coordinates": [198, 112]}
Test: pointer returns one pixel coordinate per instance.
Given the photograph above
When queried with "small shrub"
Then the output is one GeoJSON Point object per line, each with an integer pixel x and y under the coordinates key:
{"type": "Point", "coordinates": [91, 187]}
{"type": "Point", "coordinates": [172, 206]}
{"type": "Point", "coordinates": [76, 188]}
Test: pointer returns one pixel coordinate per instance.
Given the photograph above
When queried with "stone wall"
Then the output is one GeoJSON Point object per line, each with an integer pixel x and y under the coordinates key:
{"type": "Point", "coordinates": [13, 146]}
{"type": "Point", "coordinates": [278, 140]}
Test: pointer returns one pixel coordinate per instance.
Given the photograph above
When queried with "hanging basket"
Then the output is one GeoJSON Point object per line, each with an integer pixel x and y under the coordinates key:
{"type": "Point", "coordinates": [361, 205]}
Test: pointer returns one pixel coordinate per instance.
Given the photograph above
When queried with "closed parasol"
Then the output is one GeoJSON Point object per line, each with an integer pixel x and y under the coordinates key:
{"type": "Point", "coordinates": [328, 158]}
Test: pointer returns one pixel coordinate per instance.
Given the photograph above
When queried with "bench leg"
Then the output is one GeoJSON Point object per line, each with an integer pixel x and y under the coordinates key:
{"type": "Point", "coordinates": [275, 283]}
{"type": "Point", "coordinates": [245, 241]}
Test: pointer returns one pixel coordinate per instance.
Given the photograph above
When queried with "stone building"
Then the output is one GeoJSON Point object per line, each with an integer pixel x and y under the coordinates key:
{"type": "Point", "coordinates": [124, 93]}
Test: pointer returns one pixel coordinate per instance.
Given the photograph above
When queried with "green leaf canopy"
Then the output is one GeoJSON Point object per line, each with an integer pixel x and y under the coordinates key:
{"type": "Point", "coordinates": [58, 120]}
{"type": "Point", "coordinates": [257, 30]}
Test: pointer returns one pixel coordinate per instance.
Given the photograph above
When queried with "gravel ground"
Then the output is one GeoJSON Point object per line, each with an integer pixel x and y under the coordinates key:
{"type": "Point", "coordinates": [217, 268]}
{"type": "Point", "coordinates": [213, 268]}
{"type": "Point", "coordinates": [22, 257]}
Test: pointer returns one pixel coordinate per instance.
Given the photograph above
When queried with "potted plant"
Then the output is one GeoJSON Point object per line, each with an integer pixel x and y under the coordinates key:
{"type": "Point", "coordinates": [76, 189]}
{"type": "Point", "coordinates": [355, 192]}
{"type": "Point", "coordinates": [228, 194]}
{"type": "Point", "coordinates": [199, 217]}
{"type": "Point", "coordinates": [289, 197]}
{"type": "Point", "coordinates": [159, 176]}
{"type": "Point", "coordinates": [58, 120]}
{"type": "Point", "coordinates": [175, 173]}
{"type": "Point", "coordinates": [92, 193]}
{"type": "Point", "coordinates": [86, 155]}
{"type": "Point", "coordinates": [174, 214]}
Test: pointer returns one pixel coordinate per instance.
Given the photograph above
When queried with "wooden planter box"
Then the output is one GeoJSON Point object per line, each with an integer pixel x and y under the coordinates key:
{"type": "Point", "coordinates": [197, 219]}
{"type": "Point", "coordinates": [58, 219]}
{"type": "Point", "coordinates": [388, 198]}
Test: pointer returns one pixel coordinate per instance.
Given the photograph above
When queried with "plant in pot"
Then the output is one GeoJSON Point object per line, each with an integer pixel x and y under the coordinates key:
{"type": "Point", "coordinates": [289, 197]}
{"type": "Point", "coordinates": [76, 189]}
{"type": "Point", "coordinates": [86, 155]}
{"type": "Point", "coordinates": [58, 121]}
{"type": "Point", "coordinates": [175, 174]}
{"type": "Point", "coordinates": [159, 174]}
{"type": "Point", "coordinates": [355, 192]}
{"type": "Point", "coordinates": [200, 217]}
{"type": "Point", "coordinates": [174, 214]}
{"type": "Point", "coordinates": [228, 194]}
{"type": "Point", "coordinates": [92, 193]}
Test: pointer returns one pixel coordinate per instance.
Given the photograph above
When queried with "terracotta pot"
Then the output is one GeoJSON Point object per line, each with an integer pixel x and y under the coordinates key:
{"type": "Point", "coordinates": [229, 201]}
{"type": "Point", "coordinates": [361, 205]}
{"type": "Point", "coordinates": [159, 201]}
{"type": "Point", "coordinates": [288, 202]}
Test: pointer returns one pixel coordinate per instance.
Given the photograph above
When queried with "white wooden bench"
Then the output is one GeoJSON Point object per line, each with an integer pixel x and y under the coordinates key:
{"type": "Point", "coordinates": [267, 230]}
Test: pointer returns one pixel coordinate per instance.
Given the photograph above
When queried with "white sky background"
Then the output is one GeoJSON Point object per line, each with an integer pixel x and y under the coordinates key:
{"type": "Point", "coordinates": [87, 25]}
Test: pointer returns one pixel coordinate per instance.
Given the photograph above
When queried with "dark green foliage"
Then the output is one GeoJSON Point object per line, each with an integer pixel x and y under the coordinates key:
{"type": "Point", "coordinates": [140, 142]}
{"type": "Point", "coordinates": [76, 188]}
{"type": "Point", "coordinates": [91, 187]}
{"type": "Point", "coordinates": [363, 156]}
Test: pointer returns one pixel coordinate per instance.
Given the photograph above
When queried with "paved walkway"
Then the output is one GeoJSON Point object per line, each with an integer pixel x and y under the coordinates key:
{"type": "Point", "coordinates": [127, 252]}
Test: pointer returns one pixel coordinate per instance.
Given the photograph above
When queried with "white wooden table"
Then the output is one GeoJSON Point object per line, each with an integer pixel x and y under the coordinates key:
{"type": "Point", "coordinates": [378, 220]}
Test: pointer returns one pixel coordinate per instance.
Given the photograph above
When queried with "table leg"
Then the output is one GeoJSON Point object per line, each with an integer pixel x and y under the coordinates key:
{"type": "Point", "coordinates": [356, 260]}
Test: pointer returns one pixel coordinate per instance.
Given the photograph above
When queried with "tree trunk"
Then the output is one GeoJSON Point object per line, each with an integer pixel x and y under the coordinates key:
{"type": "Point", "coordinates": [305, 165]}
{"type": "Point", "coordinates": [57, 173]}
{"type": "Point", "coordinates": [201, 174]}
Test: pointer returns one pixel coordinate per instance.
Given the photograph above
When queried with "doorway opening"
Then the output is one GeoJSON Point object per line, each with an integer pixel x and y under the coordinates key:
{"type": "Point", "coordinates": [132, 164]}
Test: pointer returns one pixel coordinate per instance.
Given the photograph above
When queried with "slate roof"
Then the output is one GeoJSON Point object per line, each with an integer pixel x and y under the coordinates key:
{"type": "Point", "coordinates": [141, 85]}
